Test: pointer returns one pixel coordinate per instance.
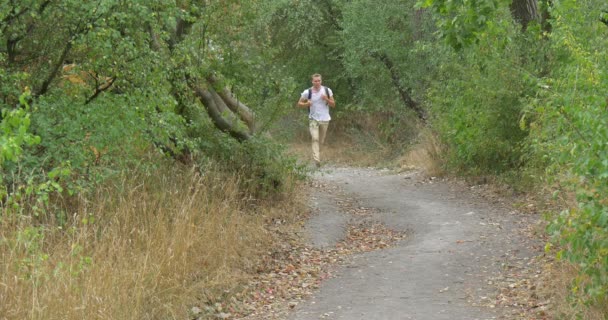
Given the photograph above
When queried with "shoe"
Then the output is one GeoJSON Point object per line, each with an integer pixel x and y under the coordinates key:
{"type": "Point", "coordinates": [318, 164]}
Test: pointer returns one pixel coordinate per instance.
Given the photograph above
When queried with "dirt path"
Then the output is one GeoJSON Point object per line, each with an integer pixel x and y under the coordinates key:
{"type": "Point", "coordinates": [461, 258]}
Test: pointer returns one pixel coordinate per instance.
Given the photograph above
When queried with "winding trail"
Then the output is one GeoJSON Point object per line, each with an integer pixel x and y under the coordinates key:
{"type": "Point", "coordinates": [456, 246]}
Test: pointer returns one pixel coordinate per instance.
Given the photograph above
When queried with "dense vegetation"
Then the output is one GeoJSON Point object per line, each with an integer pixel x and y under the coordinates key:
{"type": "Point", "coordinates": [104, 102]}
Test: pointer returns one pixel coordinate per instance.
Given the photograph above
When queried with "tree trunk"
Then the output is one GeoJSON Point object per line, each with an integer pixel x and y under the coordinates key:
{"type": "Point", "coordinates": [209, 100]}
{"type": "Point", "coordinates": [237, 107]}
{"type": "Point", "coordinates": [55, 70]}
{"type": "Point", "coordinates": [524, 11]}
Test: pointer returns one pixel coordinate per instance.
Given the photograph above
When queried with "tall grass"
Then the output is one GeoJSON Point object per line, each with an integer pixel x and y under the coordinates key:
{"type": "Point", "coordinates": [143, 247]}
{"type": "Point", "coordinates": [426, 154]}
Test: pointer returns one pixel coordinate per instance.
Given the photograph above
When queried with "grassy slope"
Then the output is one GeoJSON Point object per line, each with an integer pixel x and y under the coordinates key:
{"type": "Point", "coordinates": [142, 248]}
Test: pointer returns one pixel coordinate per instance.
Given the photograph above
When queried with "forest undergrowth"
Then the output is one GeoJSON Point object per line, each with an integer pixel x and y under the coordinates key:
{"type": "Point", "coordinates": [142, 247]}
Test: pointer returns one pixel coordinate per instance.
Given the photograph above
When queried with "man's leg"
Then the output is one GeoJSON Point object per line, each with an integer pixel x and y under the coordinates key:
{"type": "Point", "coordinates": [323, 131]}
{"type": "Point", "coordinates": [313, 126]}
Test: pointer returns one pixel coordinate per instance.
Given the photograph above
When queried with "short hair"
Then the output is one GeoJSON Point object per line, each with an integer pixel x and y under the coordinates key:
{"type": "Point", "coordinates": [316, 75]}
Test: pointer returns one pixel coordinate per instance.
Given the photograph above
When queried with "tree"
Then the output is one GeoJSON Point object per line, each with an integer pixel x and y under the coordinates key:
{"type": "Point", "coordinates": [111, 78]}
{"type": "Point", "coordinates": [525, 11]}
{"type": "Point", "coordinates": [462, 22]}
{"type": "Point", "coordinates": [382, 45]}
{"type": "Point", "coordinates": [305, 36]}
{"type": "Point", "coordinates": [376, 59]}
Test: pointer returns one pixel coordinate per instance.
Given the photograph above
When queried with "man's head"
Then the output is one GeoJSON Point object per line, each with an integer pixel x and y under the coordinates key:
{"type": "Point", "coordinates": [316, 80]}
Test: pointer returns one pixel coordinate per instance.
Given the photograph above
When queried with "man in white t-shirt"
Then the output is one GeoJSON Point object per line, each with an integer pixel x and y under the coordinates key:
{"type": "Point", "coordinates": [318, 99]}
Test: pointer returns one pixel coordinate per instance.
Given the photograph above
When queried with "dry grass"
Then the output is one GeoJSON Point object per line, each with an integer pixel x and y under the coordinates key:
{"type": "Point", "coordinates": [355, 140]}
{"type": "Point", "coordinates": [366, 150]}
{"type": "Point", "coordinates": [343, 148]}
{"type": "Point", "coordinates": [151, 251]}
{"type": "Point", "coordinates": [340, 152]}
{"type": "Point", "coordinates": [425, 155]}
{"type": "Point", "coordinates": [558, 278]}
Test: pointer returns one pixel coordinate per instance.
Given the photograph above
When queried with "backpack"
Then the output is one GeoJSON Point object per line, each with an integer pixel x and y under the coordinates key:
{"type": "Point", "coordinates": [310, 92]}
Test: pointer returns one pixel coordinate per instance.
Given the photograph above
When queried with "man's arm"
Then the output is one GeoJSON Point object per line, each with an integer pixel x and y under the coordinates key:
{"type": "Point", "coordinates": [330, 100]}
{"type": "Point", "coordinates": [303, 103]}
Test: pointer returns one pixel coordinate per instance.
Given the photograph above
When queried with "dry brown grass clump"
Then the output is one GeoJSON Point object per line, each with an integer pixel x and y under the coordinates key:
{"type": "Point", "coordinates": [425, 155]}
{"type": "Point", "coordinates": [141, 248]}
{"type": "Point", "coordinates": [565, 304]}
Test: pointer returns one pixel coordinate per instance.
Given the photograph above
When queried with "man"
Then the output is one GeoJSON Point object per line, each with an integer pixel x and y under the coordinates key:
{"type": "Point", "coordinates": [318, 99]}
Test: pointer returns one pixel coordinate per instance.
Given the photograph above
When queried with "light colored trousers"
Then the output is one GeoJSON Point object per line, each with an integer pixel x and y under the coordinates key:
{"type": "Point", "coordinates": [318, 129]}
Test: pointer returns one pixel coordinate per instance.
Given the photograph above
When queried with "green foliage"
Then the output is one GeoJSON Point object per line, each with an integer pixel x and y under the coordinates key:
{"type": "Point", "coordinates": [553, 85]}
{"type": "Point", "coordinates": [368, 34]}
{"type": "Point", "coordinates": [570, 133]}
{"type": "Point", "coordinates": [509, 100]}
{"type": "Point", "coordinates": [388, 52]}
{"type": "Point", "coordinates": [263, 168]}
{"type": "Point", "coordinates": [14, 128]}
{"type": "Point", "coordinates": [268, 170]}
{"type": "Point", "coordinates": [14, 135]}
{"type": "Point", "coordinates": [477, 105]}
{"type": "Point", "coordinates": [112, 82]}
{"type": "Point", "coordinates": [462, 22]}
{"type": "Point", "coordinates": [304, 37]}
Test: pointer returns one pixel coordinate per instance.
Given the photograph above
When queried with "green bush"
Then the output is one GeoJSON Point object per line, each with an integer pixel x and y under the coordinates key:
{"type": "Point", "coordinates": [476, 107]}
{"type": "Point", "coordinates": [570, 132]}
{"type": "Point", "coordinates": [263, 168]}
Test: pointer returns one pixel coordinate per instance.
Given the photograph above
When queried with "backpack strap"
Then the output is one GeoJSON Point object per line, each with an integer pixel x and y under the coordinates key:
{"type": "Point", "coordinates": [326, 92]}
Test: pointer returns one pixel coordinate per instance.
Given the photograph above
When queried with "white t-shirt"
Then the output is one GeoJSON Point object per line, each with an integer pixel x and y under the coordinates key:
{"type": "Point", "coordinates": [319, 110]}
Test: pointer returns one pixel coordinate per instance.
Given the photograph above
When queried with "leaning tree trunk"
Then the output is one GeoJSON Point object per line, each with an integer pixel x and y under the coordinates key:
{"type": "Point", "coordinates": [396, 79]}
{"type": "Point", "coordinates": [244, 113]}
{"type": "Point", "coordinates": [214, 103]}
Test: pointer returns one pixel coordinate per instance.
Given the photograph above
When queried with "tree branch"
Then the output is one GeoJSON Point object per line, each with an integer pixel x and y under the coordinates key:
{"type": "Point", "coordinates": [80, 29]}
{"type": "Point", "coordinates": [333, 16]}
{"type": "Point", "coordinates": [154, 43]}
{"type": "Point", "coordinates": [47, 82]}
{"type": "Point", "coordinates": [212, 100]}
{"type": "Point", "coordinates": [206, 98]}
{"type": "Point", "coordinates": [11, 42]}
{"type": "Point", "coordinates": [99, 88]}
{"type": "Point", "coordinates": [524, 11]}
{"type": "Point", "coordinates": [12, 16]}
{"type": "Point", "coordinates": [182, 28]}
{"type": "Point", "coordinates": [237, 107]}
{"type": "Point", "coordinates": [223, 108]}
{"type": "Point", "coordinates": [403, 92]}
